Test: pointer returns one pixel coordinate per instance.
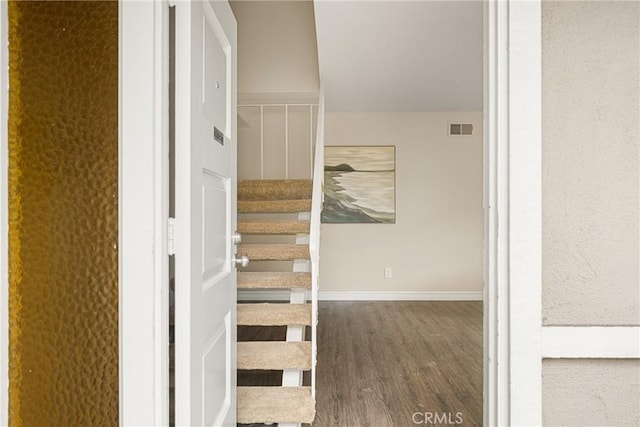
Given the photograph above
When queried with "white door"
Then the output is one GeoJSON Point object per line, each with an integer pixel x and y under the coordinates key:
{"type": "Point", "coordinates": [205, 284]}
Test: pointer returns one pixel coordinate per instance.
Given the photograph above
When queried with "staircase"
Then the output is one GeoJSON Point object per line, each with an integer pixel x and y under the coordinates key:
{"type": "Point", "coordinates": [272, 212]}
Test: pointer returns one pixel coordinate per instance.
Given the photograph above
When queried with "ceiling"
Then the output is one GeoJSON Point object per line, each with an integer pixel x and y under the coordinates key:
{"type": "Point", "coordinates": [400, 55]}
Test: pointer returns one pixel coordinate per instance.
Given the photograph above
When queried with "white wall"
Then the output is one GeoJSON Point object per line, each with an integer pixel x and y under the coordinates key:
{"type": "Point", "coordinates": [277, 51]}
{"type": "Point", "coordinates": [436, 243]}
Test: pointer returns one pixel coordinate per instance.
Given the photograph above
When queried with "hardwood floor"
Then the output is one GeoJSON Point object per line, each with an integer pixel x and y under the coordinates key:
{"type": "Point", "coordinates": [379, 363]}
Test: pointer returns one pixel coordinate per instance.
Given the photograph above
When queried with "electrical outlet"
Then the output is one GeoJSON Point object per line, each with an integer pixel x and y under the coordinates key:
{"type": "Point", "coordinates": [388, 273]}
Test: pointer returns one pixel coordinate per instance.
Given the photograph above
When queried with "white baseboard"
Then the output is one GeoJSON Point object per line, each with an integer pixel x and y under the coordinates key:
{"type": "Point", "coordinates": [399, 296]}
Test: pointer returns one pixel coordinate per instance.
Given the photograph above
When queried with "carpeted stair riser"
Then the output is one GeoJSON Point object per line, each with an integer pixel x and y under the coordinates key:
{"type": "Point", "coordinates": [274, 206]}
{"type": "Point", "coordinates": [264, 314]}
{"type": "Point", "coordinates": [274, 280]}
{"type": "Point", "coordinates": [273, 227]}
{"type": "Point", "coordinates": [274, 252]}
{"type": "Point", "coordinates": [274, 355]}
{"type": "Point", "coordinates": [275, 405]}
{"type": "Point", "coordinates": [275, 190]}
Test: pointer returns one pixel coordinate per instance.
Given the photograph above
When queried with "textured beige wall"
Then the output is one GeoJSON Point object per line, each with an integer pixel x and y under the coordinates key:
{"type": "Point", "coordinates": [277, 50]}
{"type": "Point", "coordinates": [436, 243]}
{"type": "Point", "coordinates": [591, 137]}
{"type": "Point", "coordinates": [588, 392]}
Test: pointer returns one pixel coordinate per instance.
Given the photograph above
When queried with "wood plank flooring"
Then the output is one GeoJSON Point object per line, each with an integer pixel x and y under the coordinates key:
{"type": "Point", "coordinates": [379, 363]}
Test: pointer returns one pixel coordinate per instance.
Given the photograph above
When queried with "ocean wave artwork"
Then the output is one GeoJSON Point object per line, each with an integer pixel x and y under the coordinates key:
{"type": "Point", "coordinates": [359, 184]}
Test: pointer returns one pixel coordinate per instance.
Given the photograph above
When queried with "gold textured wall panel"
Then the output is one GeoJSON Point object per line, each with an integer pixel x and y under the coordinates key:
{"type": "Point", "coordinates": [63, 213]}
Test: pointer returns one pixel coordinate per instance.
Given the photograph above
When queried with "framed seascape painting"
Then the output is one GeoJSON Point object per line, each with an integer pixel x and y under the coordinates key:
{"type": "Point", "coordinates": [359, 184]}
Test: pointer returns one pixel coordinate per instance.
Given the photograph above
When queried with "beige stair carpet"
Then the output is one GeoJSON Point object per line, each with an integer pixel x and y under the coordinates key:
{"type": "Point", "coordinates": [275, 405]}
{"type": "Point", "coordinates": [274, 252]}
{"type": "Point", "coordinates": [265, 314]}
{"type": "Point", "coordinates": [273, 227]}
{"type": "Point", "coordinates": [274, 355]}
{"type": "Point", "coordinates": [274, 206]}
{"type": "Point", "coordinates": [273, 280]}
{"type": "Point", "coordinates": [275, 189]}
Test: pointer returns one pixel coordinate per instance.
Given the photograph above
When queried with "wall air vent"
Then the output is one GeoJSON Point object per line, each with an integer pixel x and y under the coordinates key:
{"type": "Point", "coordinates": [460, 129]}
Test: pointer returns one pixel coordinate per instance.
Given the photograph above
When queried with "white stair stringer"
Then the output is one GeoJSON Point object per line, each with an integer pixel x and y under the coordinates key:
{"type": "Point", "coordinates": [293, 377]}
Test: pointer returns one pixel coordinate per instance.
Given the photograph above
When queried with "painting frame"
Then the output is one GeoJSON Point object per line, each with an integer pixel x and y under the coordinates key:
{"type": "Point", "coordinates": [360, 184]}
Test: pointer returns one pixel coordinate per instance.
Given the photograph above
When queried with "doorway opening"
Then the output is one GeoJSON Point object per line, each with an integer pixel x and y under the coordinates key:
{"type": "Point", "coordinates": [434, 250]}
{"type": "Point", "coordinates": [512, 332]}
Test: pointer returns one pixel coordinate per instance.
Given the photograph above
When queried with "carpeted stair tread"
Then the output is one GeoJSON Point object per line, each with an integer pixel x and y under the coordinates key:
{"type": "Point", "coordinates": [273, 280]}
{"type": "Point", "coordinates": [274, 355]}
{"type": "Point", "coordinates": [274, 206]}
{"type": "Point", "coordinates": [275, 189]}
{"type": "Point", "coordinates": [275, 405]}
{"type": "Point", "coordinates": [273, 227]}
{"type": "Point", "coordinates": [264, 314]}
{"type": "Point", "coordinates": [274, 252]}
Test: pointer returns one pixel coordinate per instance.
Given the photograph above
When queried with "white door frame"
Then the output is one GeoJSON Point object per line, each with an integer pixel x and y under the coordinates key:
{"type": "Point", "coordinates": [513, 213]}
{"type": "Point", "coordinates": [144, 211]}
{"type": "Point", "coordinates": [512, 223]}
